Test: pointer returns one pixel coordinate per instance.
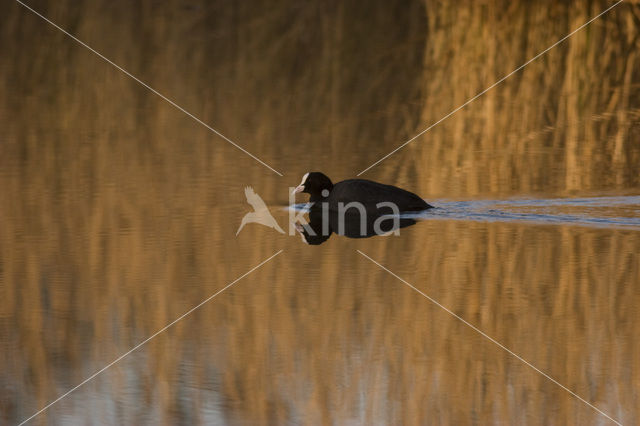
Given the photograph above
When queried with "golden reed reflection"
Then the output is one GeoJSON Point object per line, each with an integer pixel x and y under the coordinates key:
{"type": "Point", "coordinates": [118, 213]}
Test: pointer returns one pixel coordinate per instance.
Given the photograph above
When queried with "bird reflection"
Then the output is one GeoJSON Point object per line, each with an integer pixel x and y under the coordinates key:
{"type": "Point", "coordinates": [324, 222]}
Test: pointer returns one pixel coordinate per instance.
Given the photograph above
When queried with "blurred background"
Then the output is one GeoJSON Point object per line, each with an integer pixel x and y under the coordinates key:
{"type": "Point", "coordinates": [118, 212]}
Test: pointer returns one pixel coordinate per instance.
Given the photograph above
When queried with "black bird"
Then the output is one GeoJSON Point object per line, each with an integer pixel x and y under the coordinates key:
{"type": "Point", "coordinates": [365, 192]}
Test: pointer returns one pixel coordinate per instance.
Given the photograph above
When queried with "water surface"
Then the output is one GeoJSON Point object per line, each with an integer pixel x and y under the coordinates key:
{"type": "Point", "coordinates": [118, 214]}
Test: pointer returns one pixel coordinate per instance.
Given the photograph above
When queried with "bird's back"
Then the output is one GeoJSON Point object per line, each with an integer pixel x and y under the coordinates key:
{"type": "Point", "coordinates": [370, 193]}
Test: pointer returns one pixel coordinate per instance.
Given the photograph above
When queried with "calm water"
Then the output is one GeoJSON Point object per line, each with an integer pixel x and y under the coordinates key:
{"type": "Point", "coordinates": [119, 214]}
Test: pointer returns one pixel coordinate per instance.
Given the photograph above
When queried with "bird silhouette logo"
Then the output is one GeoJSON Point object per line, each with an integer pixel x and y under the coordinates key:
{"type": "Point", "coordinates": [260, 214]}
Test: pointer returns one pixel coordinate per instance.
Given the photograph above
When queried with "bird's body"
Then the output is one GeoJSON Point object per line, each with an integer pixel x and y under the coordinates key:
{"type": "Point", "coordinates": [370, 194]}
{"type": "Point", "coordinates": [366, 193]}
{"type": "Point", "coordinates": [260, 214]}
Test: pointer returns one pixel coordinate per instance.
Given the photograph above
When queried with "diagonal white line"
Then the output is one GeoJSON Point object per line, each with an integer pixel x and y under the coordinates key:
{"type": "Point", "coordinates": [149, 338]}
{"type": "Point", "coordinates": [492, 86]}
{"type": "Point", "coordinates": [482, 333]}
{"type": "Point", "coordinates": [142, 83]}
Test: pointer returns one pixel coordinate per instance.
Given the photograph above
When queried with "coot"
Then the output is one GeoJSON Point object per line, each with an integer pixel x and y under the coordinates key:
{"type": "Point", "coordinates": [365, 192]}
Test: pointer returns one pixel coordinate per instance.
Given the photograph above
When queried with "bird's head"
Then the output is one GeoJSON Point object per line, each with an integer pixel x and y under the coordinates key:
{"type": "Point", "coordinates": [316, 184]}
